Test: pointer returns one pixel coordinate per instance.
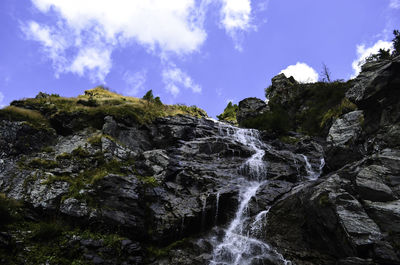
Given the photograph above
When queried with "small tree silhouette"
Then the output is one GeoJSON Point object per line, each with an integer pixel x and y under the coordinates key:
{"type": "Point", "coordinates": [325, 73]}
{"type": "Point", "coordinates": [149, 96]}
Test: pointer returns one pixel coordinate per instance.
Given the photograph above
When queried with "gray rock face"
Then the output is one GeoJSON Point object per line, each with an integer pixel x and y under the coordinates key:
{"type": "Point", "coordinates": [282, 88]}
{"type": "Point", "coordinates": [376, 92]}
{"type": "Point", "coordinates": [249, 108]}
{"type": "Point", "coordinates": [346, 129]}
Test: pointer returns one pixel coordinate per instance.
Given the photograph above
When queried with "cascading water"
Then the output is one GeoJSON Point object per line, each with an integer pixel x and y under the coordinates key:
{"type": "Point", "coordinates": [311, 173]}
{"type": "Point", "coordinates": [239, 247]}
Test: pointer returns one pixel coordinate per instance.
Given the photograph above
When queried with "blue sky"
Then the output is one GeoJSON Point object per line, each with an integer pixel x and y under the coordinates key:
{"type": "Point", "coordinates": [197, 52]}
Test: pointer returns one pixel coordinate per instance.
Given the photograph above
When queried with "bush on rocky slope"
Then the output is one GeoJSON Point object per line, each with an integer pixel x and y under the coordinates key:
{"type": "Point", "coordinates": [229, 114]}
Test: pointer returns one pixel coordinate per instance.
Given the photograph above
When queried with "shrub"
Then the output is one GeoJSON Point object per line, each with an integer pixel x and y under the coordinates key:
{"type": "Point", "coordinates": [345, 106]}
{"type": "Point", "coordinates": [229, 113]}
{"type": "Point", "coordinates": [9, 209]}
{"type": "Point", "coordinates": [47, 231]}
{"type": "Point", "coordinates": [276, 120]}
{"type": "Point", "coordinates": [149, 96]}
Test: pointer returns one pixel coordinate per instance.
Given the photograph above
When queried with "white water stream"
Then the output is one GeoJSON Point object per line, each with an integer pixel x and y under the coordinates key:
{"type": "Point", "coordinates": [239, 247]}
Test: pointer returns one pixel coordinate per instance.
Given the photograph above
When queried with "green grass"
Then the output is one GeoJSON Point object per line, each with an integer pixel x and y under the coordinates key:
{"type": "Point", "coordinates": [32, 117]}
{"type": "Point", "coordinates": [43, 163]}
{"type": "Point", "coordinates": [91, 108]}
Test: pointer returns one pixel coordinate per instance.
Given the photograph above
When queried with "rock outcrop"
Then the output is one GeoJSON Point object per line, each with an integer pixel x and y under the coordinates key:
{"type": "Point", "coordinates": [250, 108]}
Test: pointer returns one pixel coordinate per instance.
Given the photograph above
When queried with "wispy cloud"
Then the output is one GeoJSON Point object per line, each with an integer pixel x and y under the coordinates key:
{"type": "Point", "coordinates": [301, 72]}
{"type": "Point", "coordinates": [135, 82]}
{"type": "Point", "coordinates": [88, 31]}
{"type": "Point", "coordinates": [395, 4]}
{"type": "Point", "coordinates": [175, 79]}
{"type": "Point", "coordinates": [363, 52]}
{"type": "Point", "coordinates": [236, 19]}
{"type": "Point", "coordinates": [1, 100]}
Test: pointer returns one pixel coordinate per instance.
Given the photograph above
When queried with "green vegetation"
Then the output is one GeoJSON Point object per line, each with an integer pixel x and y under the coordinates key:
{"type": "Point", "coordinates": [52, 241]}
{"type": "Point", "coordinates": [32, 117]}
{"type": "Point", "coordinates": [157, 252]}
{"type": "Point", "coordinates": [312, 108]}
{"type": "Point", "coordinates": [47, 231]}
{"type": "Point", "coordinates": [229, 114]}
{"type": "Point", "coordinates": [384, 54]}
{"type": "Point", "coordinates": [344, 107]}
{"type": "Point", "coordinates": [149, 96]}
{"type": "Point", "coordinates": [48, 149]}
{"type": "Point", "coordinates": [91, 108]}
{"type": "Point", "coordinates": [43, 163]}
{"type": "Point", "coordinates": [9, 210]}
{"type": "Point", "coordinates": [276, 120]}
{"type": "Point", "coordinates": [149, 181]}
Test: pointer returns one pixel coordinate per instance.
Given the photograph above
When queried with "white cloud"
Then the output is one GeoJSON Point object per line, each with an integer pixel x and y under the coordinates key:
{"type": "Point", "coordinates": [174, 79]}
{"type": "Point", "coordinates": [363, 52]}
{"type": "Point", "coordinates": [53, 42]}
{"type": "Point", "coordinates": [395, 4]}
{"type": "Point", "coordinates": [88, 31]}
{"type": "Point", "coordinates": [135, 82]}
{"type": "Point", "coordinates": [236, 19]}
{"type": "Point", "coordinates": [301, 72]}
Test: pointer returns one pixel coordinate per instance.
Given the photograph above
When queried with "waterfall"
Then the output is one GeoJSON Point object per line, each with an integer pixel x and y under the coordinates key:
{"type": "Point", "coordinates": [216, 207]}
{"type": "Point", "coordinates": [203, 212]}
{"type": "Point", "coordinates": [239, 246]}
{"type": "Point", "coordinates": [311, 174]}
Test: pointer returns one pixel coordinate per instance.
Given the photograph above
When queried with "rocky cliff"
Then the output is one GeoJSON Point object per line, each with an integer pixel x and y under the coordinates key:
{"type": "Point", "coordinates": [103, 179]}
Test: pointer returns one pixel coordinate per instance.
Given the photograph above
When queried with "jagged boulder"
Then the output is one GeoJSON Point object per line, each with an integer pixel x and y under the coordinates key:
{"type": "Point", "coordinates": [250, 108]}
{"type": "Point", "coordinates": [376, 91]}
{"type": "Point", "coordinates": [344, 140]}
{"type": "Point", "coordinates": [281, 89]}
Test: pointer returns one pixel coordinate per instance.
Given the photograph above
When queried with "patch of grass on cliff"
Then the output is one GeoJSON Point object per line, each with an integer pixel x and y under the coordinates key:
{"type": "Point", "coordinates": [150, 181]}
{"type": "Point", "coordinates": [229, 114]}
{"type": "Point", "coordinates": [91, 108]}
{"type": "Point", "coordinates": [43, 163]}
{"type": "Point", "coordinates": [32, 117]}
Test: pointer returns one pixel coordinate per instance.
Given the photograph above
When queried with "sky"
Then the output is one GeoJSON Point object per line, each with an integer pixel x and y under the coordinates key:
{"type": "Point", "coordinates": [196, 52]}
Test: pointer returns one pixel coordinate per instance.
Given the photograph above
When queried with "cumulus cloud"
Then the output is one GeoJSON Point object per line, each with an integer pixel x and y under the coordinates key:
{"type": "Point", "coordinates": [364, 52]}
{"type": "Point", "coordinates": [135, 82]}
{"type": "Point", "coordinates": [175, 79]}
{"type": "Point", "coordinates": [395, 4]}
{"type": "Point", "coordinates": [301, 72]}
{"type": "Point", "coordinates": [88, 31]}
{"type": "Point", "coordinates": [236, 18]}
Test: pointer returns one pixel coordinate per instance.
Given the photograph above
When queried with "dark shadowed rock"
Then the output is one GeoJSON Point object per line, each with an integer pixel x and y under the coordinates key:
{"type": "Point", "coordinates": [281, 89]}
{"type": "Point", "coordinates": [250, 108]}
